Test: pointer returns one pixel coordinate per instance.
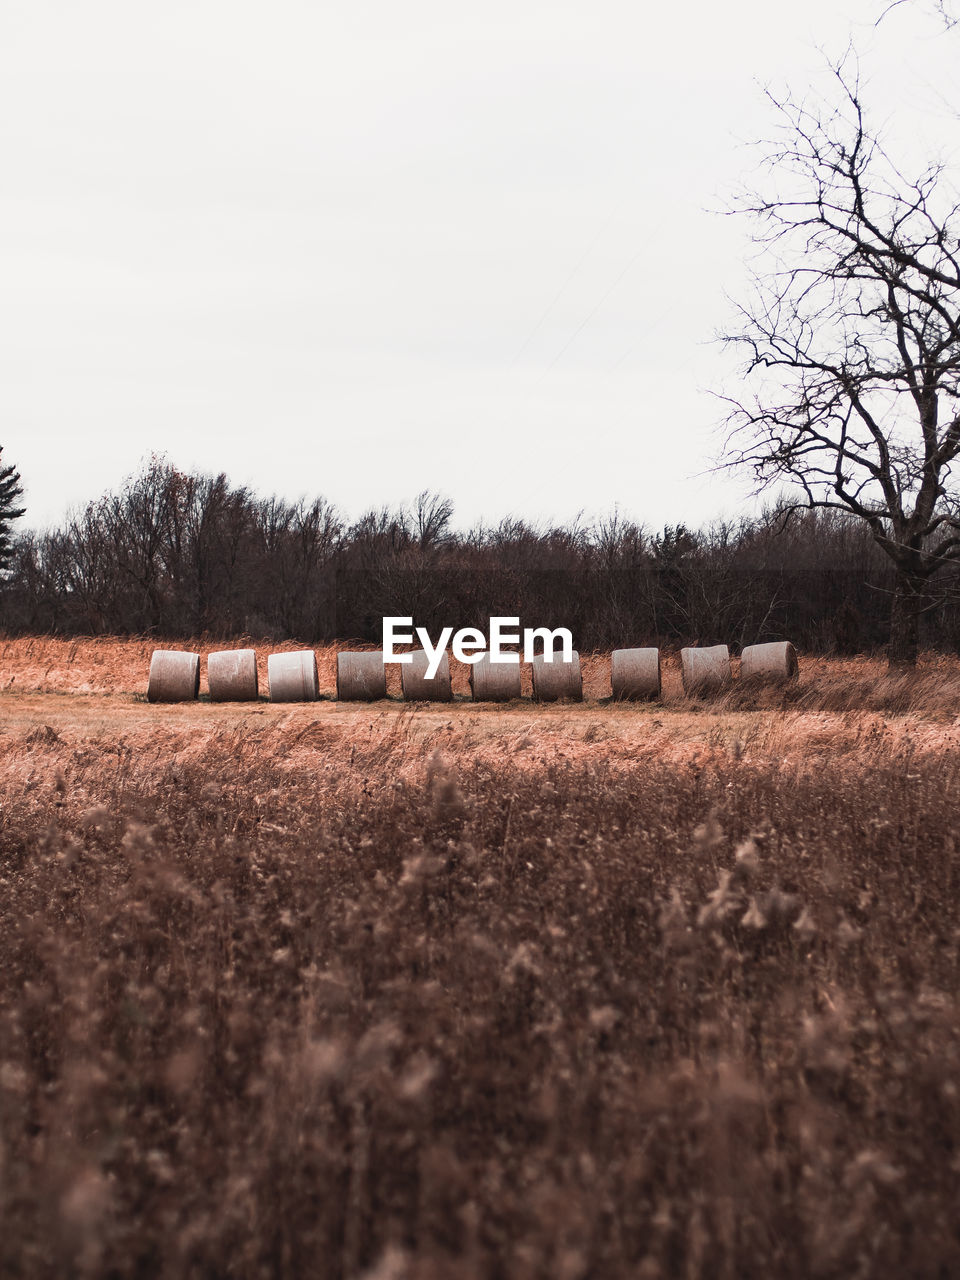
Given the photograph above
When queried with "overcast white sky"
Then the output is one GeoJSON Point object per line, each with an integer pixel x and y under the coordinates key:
{"type": "Point", "coordinates": [365, 248]}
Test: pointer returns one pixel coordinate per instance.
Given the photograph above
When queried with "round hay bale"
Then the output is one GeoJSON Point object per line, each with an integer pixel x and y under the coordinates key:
{"type": "Point", "coordinates": [494, 681]}
{"type": "Point", "coordinates": [361, 677]}
{"type": "Point", "coordinates": [415, 685]}
{"type": "Point", "coordinates": [706, 670]}
{"type": "Point", "coordinates": [174, 676]}
{"type": "Point", "coordinates": [293, 676]}
{"type": "Point", "coordinates": [635, 673]}
{"type": "Point", "coordinates": [232, 675]}
{"type": "Point", "coordinates": [557, 679]}
{"type": "Point", "coordinates": [772, 663]}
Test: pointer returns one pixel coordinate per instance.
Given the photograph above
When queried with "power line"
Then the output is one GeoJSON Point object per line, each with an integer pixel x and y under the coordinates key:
{"type": "Point", "coordinates": [536, 328]}
{"type": "Point", "coordinates": [580, 328]}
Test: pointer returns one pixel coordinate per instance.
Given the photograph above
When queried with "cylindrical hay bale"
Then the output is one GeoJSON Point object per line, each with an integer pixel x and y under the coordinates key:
{"type": "Point", "coordinates": [361, 677]}
{"type": "Point", "coordinates": [557, 679]}
{"type": "Point", "coordinates": [174, 676]}
{"type": "Point", "coordinates": [417, 688]}
{"type": "Point", "coordinates": [293, 676]}
{"type": "Point", "coordinates": [705, 670]}
{"type": "Point", "coordinates": [494, 681]}
{"type": "Point", "coordinates": [232, 675]}
{"type": "Point", "coordinates": [635, 673]}
{"type": "Point", "coordinates": [773, 663]}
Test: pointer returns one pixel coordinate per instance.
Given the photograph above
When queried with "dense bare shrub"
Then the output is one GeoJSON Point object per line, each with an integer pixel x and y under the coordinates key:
{"type": "Point", "coordinates": [178, 554]}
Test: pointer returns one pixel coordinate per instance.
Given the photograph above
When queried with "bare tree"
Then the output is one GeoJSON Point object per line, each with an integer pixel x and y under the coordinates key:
{"type": "Point", "coordinates": [851, 338]}
{"type": "Point", "coordinates": [432, 514]}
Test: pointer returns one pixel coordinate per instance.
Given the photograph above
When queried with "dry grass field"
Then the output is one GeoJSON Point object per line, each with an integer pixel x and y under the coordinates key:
{"type": "Point", "coordinates": [409, 993]}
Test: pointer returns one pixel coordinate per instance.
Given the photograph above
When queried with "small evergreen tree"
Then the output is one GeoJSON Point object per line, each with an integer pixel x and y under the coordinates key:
{"type": "Point", "coordinates": [10, 492]}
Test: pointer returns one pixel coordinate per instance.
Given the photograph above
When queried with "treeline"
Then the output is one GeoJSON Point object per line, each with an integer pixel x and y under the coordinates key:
{"type": "Point", "coordinates": [175, 554]}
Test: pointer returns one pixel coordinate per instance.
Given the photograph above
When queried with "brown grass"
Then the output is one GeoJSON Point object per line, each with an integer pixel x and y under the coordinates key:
{"type": "Point", "coordinates": [477, 991]}
{"type": "Point", "coordinates": [109, 666]}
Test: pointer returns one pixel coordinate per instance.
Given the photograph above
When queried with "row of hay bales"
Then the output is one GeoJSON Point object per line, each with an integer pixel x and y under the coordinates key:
{"type": "Point", "coordinates": [361, 677]}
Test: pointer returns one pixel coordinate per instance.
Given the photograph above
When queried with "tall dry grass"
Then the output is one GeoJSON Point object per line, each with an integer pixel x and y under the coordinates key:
{"type": "Point", "coordinates": [346, 1006]}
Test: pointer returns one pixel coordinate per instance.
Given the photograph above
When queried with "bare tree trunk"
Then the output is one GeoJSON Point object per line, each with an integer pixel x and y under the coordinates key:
{"type": "Point", "coordinates": [908, 604]}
